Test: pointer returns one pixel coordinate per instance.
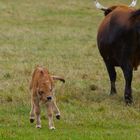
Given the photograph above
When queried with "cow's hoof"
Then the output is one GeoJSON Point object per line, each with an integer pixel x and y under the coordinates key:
{"type": "Point", "coordinates": [38, 126]}
{"type": "Point", "coordinates": [128, 100]}
{"type": "Point", "coordinates": [113, 92]}
{"type": "Point", "coordinates": [52, 128]}
{"type": "Point", "coordinates": [31, 120]}
{"type": "Point", "coordinates": [58, 117]}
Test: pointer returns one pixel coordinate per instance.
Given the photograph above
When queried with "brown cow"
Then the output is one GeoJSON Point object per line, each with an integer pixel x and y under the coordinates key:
{"type": "Point", "coordinates": [119, 43]}
{"type": "Point", "coordinates": [42, 86]}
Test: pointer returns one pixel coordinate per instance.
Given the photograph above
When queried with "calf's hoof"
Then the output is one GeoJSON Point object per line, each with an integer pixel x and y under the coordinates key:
{"type": "Point", "coordinates": [31, 120]}
{"type": "Point", "coordinates": [38, 126]}
{"type": "Point", "coordinates": [52, 128]}
{"type": "Point", "coordinates": [58, 117]}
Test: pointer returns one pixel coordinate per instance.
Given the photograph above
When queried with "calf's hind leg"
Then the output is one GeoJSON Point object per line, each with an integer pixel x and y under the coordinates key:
{"type": "Point", "coordinates": [56, 109]}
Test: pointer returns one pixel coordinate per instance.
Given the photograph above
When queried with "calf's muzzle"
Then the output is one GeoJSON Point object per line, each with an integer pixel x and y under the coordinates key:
{"type": "Point", "coordinates": [49, 98]}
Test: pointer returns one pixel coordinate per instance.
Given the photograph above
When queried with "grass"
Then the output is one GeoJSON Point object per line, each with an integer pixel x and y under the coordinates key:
{"type": "Point", "coordinates": [61, 35]}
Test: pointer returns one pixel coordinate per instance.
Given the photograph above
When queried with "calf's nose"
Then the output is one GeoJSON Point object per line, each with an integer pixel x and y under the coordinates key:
{"type": "Point", "coordinates": [49, 98]}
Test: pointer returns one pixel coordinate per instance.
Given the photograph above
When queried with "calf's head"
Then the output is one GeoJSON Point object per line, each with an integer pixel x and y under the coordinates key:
{"type": "Point", "coordinates": [45, 86]}
{"type": "Point", "coordinates": [45, 92]}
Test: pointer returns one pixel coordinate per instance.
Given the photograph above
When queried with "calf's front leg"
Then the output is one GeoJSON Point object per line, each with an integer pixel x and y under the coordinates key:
{"type": "Point", "coordinates": [32, 115]}
{"type": "Point", "coordinates": [50, 115]}
{"type": "Point", "coordinates": [37, 113]}
{"type": "Point", "coordinates": [56, 109]}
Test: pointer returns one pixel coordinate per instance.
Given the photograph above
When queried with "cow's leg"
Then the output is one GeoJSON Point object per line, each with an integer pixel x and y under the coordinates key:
{"type": "Point", "coordinates": [112, 76]}
{"type": "Point", "coordinates": [56, 109]}
{"type": "Point", "coordinates": [50, 115]}
{"type": "Point", "coordinates": [37, 113]}
{"type": "Point", "coordinates": [128, 74]}
{"type": "Point", "coordinates": [32, 115]}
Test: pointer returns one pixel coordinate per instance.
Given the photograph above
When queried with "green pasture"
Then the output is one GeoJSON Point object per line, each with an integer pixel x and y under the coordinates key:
{"type": "Point", "coordinates": [61, 35]}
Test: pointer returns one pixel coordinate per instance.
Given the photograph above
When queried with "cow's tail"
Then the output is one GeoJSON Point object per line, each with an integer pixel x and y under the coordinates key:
{"type": "Point", "coordinates": [58, 78]}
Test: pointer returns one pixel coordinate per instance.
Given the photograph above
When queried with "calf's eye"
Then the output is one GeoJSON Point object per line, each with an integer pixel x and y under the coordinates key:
{"type": "Point", "coordinates": [40, 92]}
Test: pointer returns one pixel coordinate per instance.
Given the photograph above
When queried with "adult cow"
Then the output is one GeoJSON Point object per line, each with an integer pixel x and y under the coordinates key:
{"type": "Point", "coordinates": [118, 41]}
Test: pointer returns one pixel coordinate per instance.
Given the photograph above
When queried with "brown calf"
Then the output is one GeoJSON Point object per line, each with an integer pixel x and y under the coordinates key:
{"type": "Point", "coordinates": [42, 87]}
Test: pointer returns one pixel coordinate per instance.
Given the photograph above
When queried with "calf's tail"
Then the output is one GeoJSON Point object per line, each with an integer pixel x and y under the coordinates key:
{"type": "Point", "coordinates": [58, 78]}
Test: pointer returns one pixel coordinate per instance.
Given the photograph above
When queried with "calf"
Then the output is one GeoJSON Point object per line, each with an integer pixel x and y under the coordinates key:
{"type": "Point", "coordinates": [42, 87]}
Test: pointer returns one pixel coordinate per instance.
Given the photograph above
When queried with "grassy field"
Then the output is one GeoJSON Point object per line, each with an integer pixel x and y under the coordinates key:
{"type": "Point", "coordinates": [61, 35]}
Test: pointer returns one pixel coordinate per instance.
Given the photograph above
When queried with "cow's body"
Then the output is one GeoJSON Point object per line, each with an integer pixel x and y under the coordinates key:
{"type": "Point", "coordinates": [117, 40]}
{"type": "Point", "coordinates": [119, 44]}
{"type": "Point", "coordinates": [42, 86]}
